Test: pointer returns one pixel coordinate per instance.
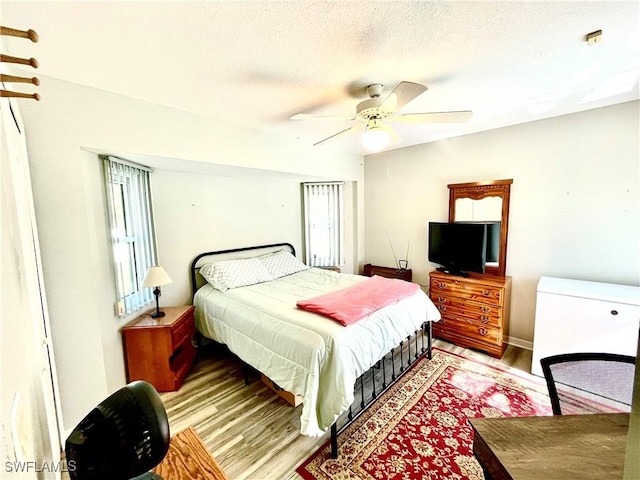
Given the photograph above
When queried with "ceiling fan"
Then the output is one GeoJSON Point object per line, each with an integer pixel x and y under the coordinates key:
{"type": "Point", "coordinates": [376, 112]}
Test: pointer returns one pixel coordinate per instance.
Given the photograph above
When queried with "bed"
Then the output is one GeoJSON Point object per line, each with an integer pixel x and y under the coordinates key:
{"type": "Point", "coordinates": [254, 312]}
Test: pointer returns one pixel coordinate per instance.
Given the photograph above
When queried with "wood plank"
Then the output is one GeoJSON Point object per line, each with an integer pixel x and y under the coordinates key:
{"type": "Point", "coordinates": [188, 459]}
{"type": "Point", "coordinates": [562, 446]}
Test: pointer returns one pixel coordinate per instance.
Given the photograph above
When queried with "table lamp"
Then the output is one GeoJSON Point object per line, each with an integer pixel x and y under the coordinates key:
{"type": "Point", "coordinates": [156, 277]}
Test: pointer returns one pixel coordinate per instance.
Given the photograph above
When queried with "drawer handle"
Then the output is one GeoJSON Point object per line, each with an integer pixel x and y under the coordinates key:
{"type": "Point", "coordinates": [614, 312]}
{"type": "Point", "coordinates": [486, 293]}
{"type": "Point", "coordinates": [484, 318]}
{"type": "Point", "coordinates": [485, 309]}
{"type": "Point", "coordinates": [442, 299]}
{"type": "Point", "coordinates": [441, 285]}
{"type": "Point", "coordinates": [483, 331]}
{"type": "Point", "coordinates": [442, 308]}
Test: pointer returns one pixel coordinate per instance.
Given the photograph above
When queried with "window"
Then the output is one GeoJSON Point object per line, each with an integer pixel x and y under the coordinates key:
{"type": "Point", "coordinates": [132, 231]}
{"type": "Point", "coordinates": [323, 219]}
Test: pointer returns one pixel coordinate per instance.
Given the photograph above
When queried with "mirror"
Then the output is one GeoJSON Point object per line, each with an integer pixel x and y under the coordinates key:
{"type": "Point", "coordinates": [484, 202]}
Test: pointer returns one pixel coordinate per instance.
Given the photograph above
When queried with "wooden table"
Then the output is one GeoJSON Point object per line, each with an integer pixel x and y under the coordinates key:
{"type": "Point", "coordinates": [188, 459]}
{"type": "Point", "coordinates": [562, 447]}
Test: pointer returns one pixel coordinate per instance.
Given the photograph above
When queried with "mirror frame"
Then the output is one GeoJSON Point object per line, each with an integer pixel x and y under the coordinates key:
{"type": "Point", "coordinates": [478, 191]}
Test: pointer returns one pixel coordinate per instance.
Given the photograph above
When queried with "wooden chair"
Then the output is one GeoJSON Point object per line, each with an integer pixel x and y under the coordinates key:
{"type": "Point", "coordinates": [589, 382]}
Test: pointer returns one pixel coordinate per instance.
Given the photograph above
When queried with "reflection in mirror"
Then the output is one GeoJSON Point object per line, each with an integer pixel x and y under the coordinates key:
{"type": "Point", "coordinates": [488, 209]}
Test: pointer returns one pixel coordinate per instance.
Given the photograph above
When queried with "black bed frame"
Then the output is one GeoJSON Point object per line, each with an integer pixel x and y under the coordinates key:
{"type": "Point", "coordinates": [387, 371]}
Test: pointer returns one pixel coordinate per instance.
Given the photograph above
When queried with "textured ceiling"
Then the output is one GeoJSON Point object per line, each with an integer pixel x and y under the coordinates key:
{"type": "Point", "coordinates": [256, 63]}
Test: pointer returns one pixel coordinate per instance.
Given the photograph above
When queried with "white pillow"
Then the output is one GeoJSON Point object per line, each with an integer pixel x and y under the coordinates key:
{"type": "Point", "coordinates": [235, 273]}
{"type": "Point", "coordinates": [282, 263]}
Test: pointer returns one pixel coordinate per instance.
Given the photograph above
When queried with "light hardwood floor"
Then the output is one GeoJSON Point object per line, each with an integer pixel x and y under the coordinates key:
{"type": "Point", "coordinates": [250, 431]}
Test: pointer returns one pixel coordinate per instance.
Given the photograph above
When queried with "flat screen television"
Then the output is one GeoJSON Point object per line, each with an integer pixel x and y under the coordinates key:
{"type": "Point", "coordinates": [458, 247]}
{"type": "Point", "coordinates": [493, 241]}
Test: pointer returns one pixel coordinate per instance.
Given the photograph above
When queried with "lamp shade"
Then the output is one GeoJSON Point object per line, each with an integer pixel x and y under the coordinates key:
{"type": "Point", "coordinates": [375, 138]}
{"type": "Point", "coordinates": [156, 276]}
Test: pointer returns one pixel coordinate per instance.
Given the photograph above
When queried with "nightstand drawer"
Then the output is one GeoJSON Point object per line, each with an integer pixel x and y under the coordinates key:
{"type": "Point", "coordinates": [184, 328]}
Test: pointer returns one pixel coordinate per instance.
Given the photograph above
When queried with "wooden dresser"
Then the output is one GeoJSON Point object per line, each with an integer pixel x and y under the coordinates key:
{"type": "Point", "coordinates": [474, 309]}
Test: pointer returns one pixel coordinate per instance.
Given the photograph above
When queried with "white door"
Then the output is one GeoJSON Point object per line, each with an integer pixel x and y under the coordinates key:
{"type": "Point", "coordinates": [28, 367]}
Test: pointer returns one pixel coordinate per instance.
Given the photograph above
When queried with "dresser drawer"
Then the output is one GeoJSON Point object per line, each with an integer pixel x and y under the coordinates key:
{"type": "Point", "coordinates": [457, 326]}
{"type": "Point", "coordinates": [468, 342]}
{"type": "Point", "coordinates": [467, 290]}
{"type": "Point", "coordinates": [481, 313]}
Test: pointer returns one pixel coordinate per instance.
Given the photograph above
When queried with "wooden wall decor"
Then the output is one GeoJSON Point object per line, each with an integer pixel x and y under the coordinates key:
{"type": "Point", "coordinates": [32, 62]}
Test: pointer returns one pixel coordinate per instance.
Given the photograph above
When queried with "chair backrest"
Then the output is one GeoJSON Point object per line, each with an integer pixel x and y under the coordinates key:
{"type": "Point", "coordinates": [589, 382]}
{"type": "Point", "coordinates": [126, 435]}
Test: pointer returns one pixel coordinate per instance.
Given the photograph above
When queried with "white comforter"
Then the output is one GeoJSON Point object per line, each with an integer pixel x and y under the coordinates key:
{"type": "Point", "coordinates": [304, 353]}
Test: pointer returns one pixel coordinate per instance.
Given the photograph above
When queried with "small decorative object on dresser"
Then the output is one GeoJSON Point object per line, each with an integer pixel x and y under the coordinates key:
{"type": "Point", "coordinates": [475, 310]}
{"type": "Point", "coordinates": [159, 350]}
{"type": "Point", "coordinates": [388, 272]}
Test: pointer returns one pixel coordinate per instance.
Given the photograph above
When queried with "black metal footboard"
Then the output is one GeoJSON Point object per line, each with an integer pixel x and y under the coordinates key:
{"type": "Point", "coordinates": [379, 378]}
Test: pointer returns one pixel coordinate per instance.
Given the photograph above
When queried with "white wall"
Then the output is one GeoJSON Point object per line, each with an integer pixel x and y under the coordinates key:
{"type": "Point", "coordinates": [71, 119]}
{"type": "Point", "coordinates": [575, 199]}
{"type": "Point", "coordinates": [200, 213]}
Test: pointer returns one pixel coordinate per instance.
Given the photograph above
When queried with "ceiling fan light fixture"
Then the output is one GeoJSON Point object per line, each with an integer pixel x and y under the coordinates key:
{"type": "Point", "coordinates": [375, 112]}
{"type": "Point", "coordinates": [375, 138]}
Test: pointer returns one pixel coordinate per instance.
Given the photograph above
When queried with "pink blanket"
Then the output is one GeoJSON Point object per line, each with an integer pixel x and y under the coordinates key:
{"type": "Point", "coordinates": [351, 304]}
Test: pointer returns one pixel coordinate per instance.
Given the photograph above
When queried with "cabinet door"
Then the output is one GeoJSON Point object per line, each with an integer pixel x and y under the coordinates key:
{"type": "Point", "coordinates": [571, 324]}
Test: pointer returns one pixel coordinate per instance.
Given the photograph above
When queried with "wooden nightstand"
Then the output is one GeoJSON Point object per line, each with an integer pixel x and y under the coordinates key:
{"type": "Point", "coordinates": [371, 270]}
{"type": "Point", "coordinates": [159, 350]}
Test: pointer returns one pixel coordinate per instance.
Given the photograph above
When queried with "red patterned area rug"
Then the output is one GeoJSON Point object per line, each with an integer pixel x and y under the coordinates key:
{"type": "Point", "coordinates": [418, 429]}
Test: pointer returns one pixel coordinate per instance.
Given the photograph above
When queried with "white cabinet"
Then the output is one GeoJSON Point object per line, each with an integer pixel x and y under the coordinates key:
{"type": "Point", "coordinates": [578, 316]}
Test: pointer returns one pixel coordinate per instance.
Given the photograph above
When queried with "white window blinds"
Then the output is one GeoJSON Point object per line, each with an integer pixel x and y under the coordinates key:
{"type": "Point", "coordinates": [324, 218]}
{"type": "Point", "coordinates": [132, 231]}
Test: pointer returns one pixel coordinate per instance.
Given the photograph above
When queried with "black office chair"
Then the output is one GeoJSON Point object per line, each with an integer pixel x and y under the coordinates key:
{"type": "Point", "coordinates": [124, 437]}
{"type": "Point", "coordinates": [589, 382]}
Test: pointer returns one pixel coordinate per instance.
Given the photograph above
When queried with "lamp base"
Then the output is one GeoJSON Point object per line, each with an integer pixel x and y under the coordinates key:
{"type": "Point", "coordinates": [157, 313]}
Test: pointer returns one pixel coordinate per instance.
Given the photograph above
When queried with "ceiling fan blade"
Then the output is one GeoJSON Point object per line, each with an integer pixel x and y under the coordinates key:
{"type": "Point", "coordinates": [311, 116]}
{"type": "Point", "coordinates": [355, 128]}
{"type": "Point", "coordinates": [435, 117]}
{"type": "Point", "coordinates": [401, 95]}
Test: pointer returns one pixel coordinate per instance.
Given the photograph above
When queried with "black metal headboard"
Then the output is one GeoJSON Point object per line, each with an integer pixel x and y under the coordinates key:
{"type": "Point", "coordinates": [195, 266]}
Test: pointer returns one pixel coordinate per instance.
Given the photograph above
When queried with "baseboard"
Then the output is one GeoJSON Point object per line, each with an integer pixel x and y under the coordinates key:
{"type": "Point", "coordinates": [518, 342]}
